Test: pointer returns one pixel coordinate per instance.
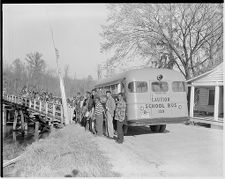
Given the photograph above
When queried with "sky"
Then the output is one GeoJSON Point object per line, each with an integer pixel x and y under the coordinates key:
{"type": "Point", "coordinates": [76, 29]}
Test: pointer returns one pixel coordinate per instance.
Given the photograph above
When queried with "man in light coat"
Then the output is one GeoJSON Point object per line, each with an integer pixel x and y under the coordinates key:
{"type": "Point", "coordinates": [110, 108]}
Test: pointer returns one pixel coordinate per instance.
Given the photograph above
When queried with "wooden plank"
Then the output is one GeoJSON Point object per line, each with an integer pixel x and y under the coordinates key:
{"type": "Point", "coordinates": [22, 120]}
{"type": "Point", "coordinates": [36, 134]}
{"type": "Point", "coordinates": [62, 116]}
{"type": "Point", "coordinates": [4, 115]}
{"type": "Point", "coordinates": [53, 111]}
{"type": "Point", "coordinates": [15, 119]}
{"type": "Point", "coordinates": [34, 104]}
{"type": "Point", "coordinates": [9, 162]}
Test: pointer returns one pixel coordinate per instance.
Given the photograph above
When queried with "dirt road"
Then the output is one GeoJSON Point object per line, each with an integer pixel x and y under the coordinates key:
{"type": "Point", "coordinates": [180, 151]}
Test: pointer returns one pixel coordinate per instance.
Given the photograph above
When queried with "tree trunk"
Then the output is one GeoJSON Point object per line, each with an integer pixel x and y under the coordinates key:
{"type": "Point", "coordinates": [187, 73]}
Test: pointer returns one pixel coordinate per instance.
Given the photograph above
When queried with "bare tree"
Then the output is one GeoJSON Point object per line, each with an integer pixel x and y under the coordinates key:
{"type": "Point", "coordinates": [169, 34]}
{"type": "Point", "coordinates": [15, 78]}
{"type": "Point", "coordinates": [19, 75]}
{"type": "Point", "coordinates": [36, 66]}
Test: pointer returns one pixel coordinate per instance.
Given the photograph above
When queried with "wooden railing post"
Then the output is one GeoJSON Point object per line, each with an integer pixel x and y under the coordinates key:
{"type": "Point", "coordinates": [14, 136]}
{"type": "Point", "coordinates": [36, 134]}
{"type": "Point", "coordinates": [53, 110]}
{"type": "Point", "coordinates": [46, 109]}
{"type": "Point", "coordinates": [40, 105]}
{"type": "Point", "coordinates": [4, 115]}
{"type": "Point", "coordinates": [34, 103]}
{"type": "Point", "coordinates": [29, 103]}
{"type": "Point", "coordinates": [62, 115]}
{"type": "Point", "coordinates": [15, 120]}
{"type": "Point", "coordinates": [22, 121]}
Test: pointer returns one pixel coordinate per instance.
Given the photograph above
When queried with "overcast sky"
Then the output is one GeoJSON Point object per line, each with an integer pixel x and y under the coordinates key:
{"type": "Point", "coordinates": [76, 30]}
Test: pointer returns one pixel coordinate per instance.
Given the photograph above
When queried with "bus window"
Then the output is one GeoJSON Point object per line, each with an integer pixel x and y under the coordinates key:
{"type": "Point", "coordinates": [114, 89]}
{"type": "Point", "coordinates": [138, 87]}
{"type": "Point", "coordinates": [159, 86]}
{"type": "Point", "coordinates": [107, 88]}
{"type": "Point", "coordinates": [178, 86]}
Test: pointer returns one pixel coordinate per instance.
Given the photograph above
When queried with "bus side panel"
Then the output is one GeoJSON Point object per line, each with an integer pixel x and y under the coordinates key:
{"type": "Point", "coordinates": [135, 103]}
{"type": "Point", "coordinates": [179, 107]}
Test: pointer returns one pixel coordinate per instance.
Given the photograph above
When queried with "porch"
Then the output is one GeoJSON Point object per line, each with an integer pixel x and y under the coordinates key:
{"type": "Point", "coordinates": [206, 98]}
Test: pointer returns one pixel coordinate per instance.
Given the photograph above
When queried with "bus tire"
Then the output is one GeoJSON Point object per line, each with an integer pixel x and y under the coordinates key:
{"type": "Point", "coordinates": [155, 128]}
{"type": "Point", "coordinates": [125, 129]}
{"type": "Point", "coordinates": [162, 128]}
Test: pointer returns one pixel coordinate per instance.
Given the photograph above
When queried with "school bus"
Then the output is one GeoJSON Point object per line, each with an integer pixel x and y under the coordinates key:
{"type": "Point", "coordinates": [154, 97]}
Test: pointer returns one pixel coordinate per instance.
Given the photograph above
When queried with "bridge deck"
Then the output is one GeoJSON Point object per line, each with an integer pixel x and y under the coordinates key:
{"type": "Point", "coordinates": [51, 111]}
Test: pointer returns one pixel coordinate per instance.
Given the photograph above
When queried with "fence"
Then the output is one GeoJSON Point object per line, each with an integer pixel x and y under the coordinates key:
{"type": "Point", "coordinates": [53, 110]}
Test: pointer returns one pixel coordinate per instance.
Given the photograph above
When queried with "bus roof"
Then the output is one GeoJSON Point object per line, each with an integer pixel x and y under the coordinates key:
{"type": "Point", "coordinates": [147, 73]}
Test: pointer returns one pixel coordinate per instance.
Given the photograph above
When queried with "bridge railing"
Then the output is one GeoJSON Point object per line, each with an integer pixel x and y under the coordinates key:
{"type": "Point", "coordinates": [53, 110]}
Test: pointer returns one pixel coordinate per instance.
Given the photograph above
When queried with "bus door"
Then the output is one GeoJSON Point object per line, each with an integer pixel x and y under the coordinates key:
{"type": "Point", "coordinates": [137, 100]}
{"type": "Point", "coordinates": [159, 99]}
{"type": "Point", "coordinates": [178, 99]}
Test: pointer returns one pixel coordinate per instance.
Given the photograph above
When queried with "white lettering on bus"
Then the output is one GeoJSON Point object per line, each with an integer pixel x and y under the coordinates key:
{"type": "Point", "coordinates": [161, 99]}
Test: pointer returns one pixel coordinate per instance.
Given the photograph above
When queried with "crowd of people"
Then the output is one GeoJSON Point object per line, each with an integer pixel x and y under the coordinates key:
{"type": "Point", "coordinates": [98, 113]}
{"type": "Point", "coordinates": [42, 95]}
{"type": "Point", "coordinates": [102, 117]}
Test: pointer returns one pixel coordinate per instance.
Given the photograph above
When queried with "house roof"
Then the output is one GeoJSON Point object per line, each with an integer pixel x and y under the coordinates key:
{"type": "Point", "coordinates": [214, 75]}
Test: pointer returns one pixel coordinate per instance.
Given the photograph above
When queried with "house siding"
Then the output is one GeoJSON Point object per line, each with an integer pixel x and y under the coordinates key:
{"type": "Point", "coordinates": [204, 101]}
{"type": "Point", "coordinates": [203, 96]}
{"type": "Point", "coordinates": [216, 75]}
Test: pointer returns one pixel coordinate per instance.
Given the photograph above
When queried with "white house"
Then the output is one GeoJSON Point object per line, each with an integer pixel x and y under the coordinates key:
{"type": "Point", "coordinates": [206, 97]}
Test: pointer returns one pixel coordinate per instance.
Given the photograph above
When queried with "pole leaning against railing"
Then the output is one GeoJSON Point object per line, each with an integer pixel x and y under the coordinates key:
{"type": "Point", "coordinates": [62, 88]}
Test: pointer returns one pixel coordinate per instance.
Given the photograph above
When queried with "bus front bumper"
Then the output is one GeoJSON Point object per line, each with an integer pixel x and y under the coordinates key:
{"type": "Point", "coordinates": [157, 121]}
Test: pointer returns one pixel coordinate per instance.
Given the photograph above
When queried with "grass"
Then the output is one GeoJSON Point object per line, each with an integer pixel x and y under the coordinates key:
{"type": "Point", "coordinates": [12, 150]}
{"type": "Point", "coordinates": [66, 152]}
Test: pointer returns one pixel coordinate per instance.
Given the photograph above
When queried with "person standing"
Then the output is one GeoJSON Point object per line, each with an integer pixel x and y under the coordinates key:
{"type": "Point", "coordinates": [90, 112]}
{"type": "Point", "coordinates": [83, 111]}
{"type": "Point", "coordinates": [110, 108]}
{"type": "Point", "coordinates": [77, 108]}
{"type": "Point", "coordinates": [93, 94]}
{"type": "Point", "coordinates": [93, 124]}
{"type": "Point", "coordinates": [98, 116]}
{"type": "Point", "coordinates": [120, 114]}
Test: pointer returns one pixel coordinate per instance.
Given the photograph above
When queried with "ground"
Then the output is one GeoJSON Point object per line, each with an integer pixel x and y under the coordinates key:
{"type": "Point", "coordinates": [182, 150]}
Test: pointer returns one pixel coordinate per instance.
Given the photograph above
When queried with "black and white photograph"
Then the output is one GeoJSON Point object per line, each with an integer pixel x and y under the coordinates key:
{"type": "Point", "coordinates": [112, 90]}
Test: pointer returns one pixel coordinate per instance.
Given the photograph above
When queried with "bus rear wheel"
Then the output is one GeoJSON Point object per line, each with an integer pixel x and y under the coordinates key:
{"type": "Point", "coordinates": [162, 128]}
{"type": "Point", "coordinates": [155, 128]}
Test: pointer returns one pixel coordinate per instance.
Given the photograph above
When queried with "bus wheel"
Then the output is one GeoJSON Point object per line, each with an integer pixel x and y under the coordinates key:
{"type": "Point", "coordinates": [162, 128]}
{"type": "Point", "coordinates": [155, 128]}
{"type": "Point", "coordinates": [125, 129]}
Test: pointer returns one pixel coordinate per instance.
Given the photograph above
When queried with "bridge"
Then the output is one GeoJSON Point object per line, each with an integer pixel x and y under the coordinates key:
{"type": "Point", "coordinates": [25, 111]}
